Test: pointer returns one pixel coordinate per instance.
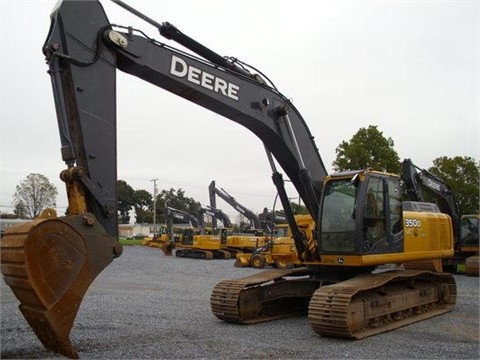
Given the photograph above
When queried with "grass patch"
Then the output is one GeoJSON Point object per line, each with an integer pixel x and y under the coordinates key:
{"type": "Point", "coordinates": [461, 268]}
{"type": "Point", "coordinates": [129, 242]}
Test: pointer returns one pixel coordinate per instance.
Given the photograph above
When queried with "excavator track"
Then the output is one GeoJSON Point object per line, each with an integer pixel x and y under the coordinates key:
{"type": "Point", "coordinates": [370, 304]}
{"type": "Point", "coordinates": [49, 263]}
{"type": "Point", "coordinates": [361, 306]}
{"type": "Point", "coordinates": [194, 254]}
{"type": "Point", "coordinates": [202, 254]}
{"type": "Point", "coordinates": [264, 296]}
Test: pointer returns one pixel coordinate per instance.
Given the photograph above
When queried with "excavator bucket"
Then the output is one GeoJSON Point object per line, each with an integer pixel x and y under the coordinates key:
{"type": "Point", "coordinates": [49, 263]}
{"type": "Point", "coordinates": [243, 260]}
{"type": "Point", "coordinates": [167, 248]}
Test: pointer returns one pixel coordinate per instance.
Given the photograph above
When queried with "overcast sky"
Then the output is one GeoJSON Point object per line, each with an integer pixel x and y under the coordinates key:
{"type": "Point", "coordinates": [409, 67]}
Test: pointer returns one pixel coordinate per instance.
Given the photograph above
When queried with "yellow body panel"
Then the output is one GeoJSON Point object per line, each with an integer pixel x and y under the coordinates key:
{"type": "Point", "coordinates": [381, 259]}
{"type": "Point", "coordinates": [284, 246]}
{"type": "Point", "coordinates": [427, 232]}
{"type": "Point", "coordinates": [205, 242]}
{"type": "Point", "coordinates": [426, 236]}
{"type": "Point", "coordinates": [246, 241]}
{"type": "Point", "coordinates": [282, 251]}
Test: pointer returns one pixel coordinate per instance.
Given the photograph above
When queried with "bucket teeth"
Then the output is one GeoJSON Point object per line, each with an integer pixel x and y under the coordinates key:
{"type": "Point", "coordinates": [52, 330]}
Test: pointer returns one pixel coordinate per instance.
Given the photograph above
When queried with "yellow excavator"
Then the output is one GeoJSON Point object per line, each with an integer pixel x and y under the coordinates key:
{"type": "Point", "coordinates": [361, 223]}
{"type": "Point", "coordinates": [250, 237]}
{"type": "Point", "coordinates": [279, 251]}
{"type": "Point", "coordinates": [193, 241]}
{"type": "Point", "coordinates": [159, 237]}
{"type": "Point", "coordinates": [420, 183]}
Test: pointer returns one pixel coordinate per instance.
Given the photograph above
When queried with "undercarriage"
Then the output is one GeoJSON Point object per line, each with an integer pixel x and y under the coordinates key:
{"type": "Point", "coordinates": [193, 253]}
{"type": "Point", "coordinates": [364, 305]}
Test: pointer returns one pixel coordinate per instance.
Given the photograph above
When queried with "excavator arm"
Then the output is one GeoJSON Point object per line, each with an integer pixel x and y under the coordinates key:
{"type": "Point", "coordinates": [83, 62]}
{"type": "Point", "coordinates": [50, 262]}
{"type": "Point", "coordinates": [230, 200]}
{"type": "Point", "coordinates": [211, 82]}
{"type": "Point", "coordinates": [215, 214]}
{"type": "Point", "coordinates": [184, 217]}
{"type": "Point", "coordinates": [417, 180]}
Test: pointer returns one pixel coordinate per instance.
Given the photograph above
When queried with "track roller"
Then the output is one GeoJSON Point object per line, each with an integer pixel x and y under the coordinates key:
{"type": "Point", "coordinates": [370, 304]}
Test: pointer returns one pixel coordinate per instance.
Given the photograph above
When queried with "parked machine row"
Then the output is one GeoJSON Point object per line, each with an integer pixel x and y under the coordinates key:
{"type": "Point", "coordinates": [194, 240]}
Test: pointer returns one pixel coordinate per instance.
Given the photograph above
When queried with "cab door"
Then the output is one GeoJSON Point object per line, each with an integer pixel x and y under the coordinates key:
{"type": "Point", "coordinates": [380, 220]}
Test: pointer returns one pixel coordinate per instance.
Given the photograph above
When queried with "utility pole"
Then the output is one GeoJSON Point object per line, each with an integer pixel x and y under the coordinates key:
{"type": "Point", "coordinates": [478, 168]}
{"type": "Point", "coordinates": [154, 206]}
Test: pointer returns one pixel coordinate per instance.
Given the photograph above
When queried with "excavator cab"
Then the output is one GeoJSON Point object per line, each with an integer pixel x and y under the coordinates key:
{"type": "Point", "coordinates": [468, 243]}
{"type": "Point", "coordinates": [363, 221]}
{"type": "Point", "coordinates": [367, 201]}
{"type": "Point", "coordinates": [469, 227]}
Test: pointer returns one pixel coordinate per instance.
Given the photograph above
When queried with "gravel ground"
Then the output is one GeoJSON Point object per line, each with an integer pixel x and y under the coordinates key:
{"type": "Point", "coordinates": [147, 305]}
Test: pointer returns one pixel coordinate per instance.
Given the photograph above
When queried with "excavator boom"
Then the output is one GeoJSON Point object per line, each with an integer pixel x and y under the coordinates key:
{"type": "Point", "coordinates": [81, 75]}
{"type": "Point", "coordinates": [215, 191]}
{"type": "Point", "coordinates": [217, 214]}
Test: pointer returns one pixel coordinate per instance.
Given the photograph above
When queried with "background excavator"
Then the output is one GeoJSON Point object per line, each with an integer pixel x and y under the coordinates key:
{"type": "Point", "coordinates": [360, 220]}
{"type": "Point", "coordinates": [169, 235]}
{"type": "Point", "coordinates": [193, 241]}
{"type": "Point", "coordinates": [419, 184]}
{"type": "Point", "coordinates": [217, 214]}
{"type": "Point", "coordinates": [273, 217]}
{"type": "Point", "coordinates": [250, 238]}
{"type": "Point", "coordinates": [255, 227]}
{"type": "Point", "coordinates": [279, 251]}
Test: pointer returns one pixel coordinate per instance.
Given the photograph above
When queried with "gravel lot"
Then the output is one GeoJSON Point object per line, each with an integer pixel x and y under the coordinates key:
{"type": "Point", "coordinates": [147, 305]}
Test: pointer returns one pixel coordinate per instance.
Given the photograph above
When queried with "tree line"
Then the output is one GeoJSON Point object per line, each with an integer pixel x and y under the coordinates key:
{"type": "Point", "coordinates": [367, 148]}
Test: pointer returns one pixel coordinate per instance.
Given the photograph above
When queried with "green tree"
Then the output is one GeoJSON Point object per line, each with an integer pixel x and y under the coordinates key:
{"type": "Point", "coordinates": [125, 201]}
{"type": "Point", "coordinates": [461, 174]}
{"type": "Point", "coordinates": [298, 208]}
{"type": "Point", "coordinates": [20, 210]}
{"type": "Point", "coordinates": [143, 205]}
{"type": "Point", "coordinates": [367, 148]}
{"type": "Point", "coordinates": [34, 194]}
